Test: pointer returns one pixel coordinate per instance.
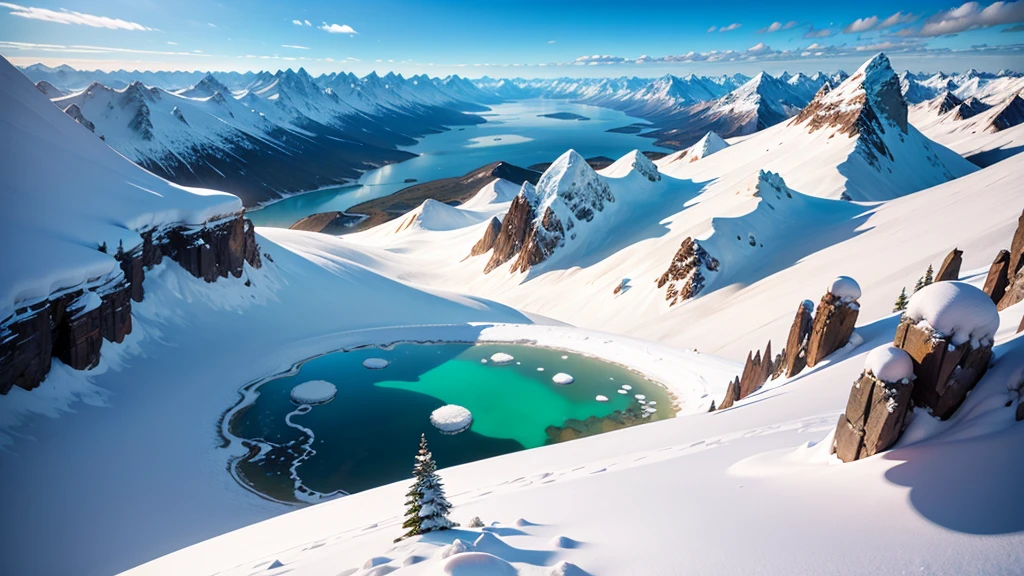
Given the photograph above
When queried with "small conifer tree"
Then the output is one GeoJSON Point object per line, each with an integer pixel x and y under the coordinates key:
{"type": "Point", "coordinates": [901, 301]}
{"type": "Point", "coordinates": [929, 275]}
{"type": "Point", "coordinates": [427, 506]}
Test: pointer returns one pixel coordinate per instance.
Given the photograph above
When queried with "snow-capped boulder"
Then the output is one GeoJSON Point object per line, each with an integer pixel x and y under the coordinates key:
{"type": "Point", "coordinates": [834, 320]}
{"type": "Point", "coordinates": [877, 409]}
{"type": "Point", "coordinates": [947, 330]}
{"type": "Point", "coordinates": [562, 379]}
{"type": "Point", "coordinates": [500, 358]}
{"type": "Point", "coordinates": [375, 363]}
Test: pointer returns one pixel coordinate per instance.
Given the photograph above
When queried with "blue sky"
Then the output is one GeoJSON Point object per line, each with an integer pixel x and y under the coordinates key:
{"type": "Point", "coordinates": [524, 38]}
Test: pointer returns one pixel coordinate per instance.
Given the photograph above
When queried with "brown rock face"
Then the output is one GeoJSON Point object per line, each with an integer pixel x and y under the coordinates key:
{"type": "Point", "coordinates": [1015, 269]}
{"type": "Point", "coordinates": [832, 327]}
{"type": "Point", "coordinates": [996, 281]}
{"type": "Point", "coordinates": [540, 242]}
{"type": "Point", "coordinates": [732, 394]}
{"type": "Point", "coordinates": [487, 242]}
{"type": "Point", "coordinates": [72, 326]}
{"type": "Point", "coordinates": [874, 419]}
{"type": "Point", "coordinates": [945, 373]}
{"type": "Point", "coordinates": [795, 358]}
{"type": "Point", "coordinates": [1014, 291]}
{"type": "Point", "coordinates": [756, 371]}
{"type": "Point", "coordinates": [513, 233]}
{"type": "Point", "coordinates": [950, 269]}
{"type": "Point", "coordinates": [684, 277]}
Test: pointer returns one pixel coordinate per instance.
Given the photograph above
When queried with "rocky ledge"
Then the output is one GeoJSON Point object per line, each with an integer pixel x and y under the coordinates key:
{"type": "Point", "coordinates": [71, 325]}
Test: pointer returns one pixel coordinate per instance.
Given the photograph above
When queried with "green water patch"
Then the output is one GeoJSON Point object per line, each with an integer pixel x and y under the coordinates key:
{"type": "Point", "coordinates": [366, 436]}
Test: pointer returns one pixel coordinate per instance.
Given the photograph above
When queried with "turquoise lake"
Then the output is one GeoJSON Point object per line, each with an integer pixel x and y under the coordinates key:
{"type": "Point", "coordinates": [515, 132]}
{"type": "Point", "coordinates": [367, 435]}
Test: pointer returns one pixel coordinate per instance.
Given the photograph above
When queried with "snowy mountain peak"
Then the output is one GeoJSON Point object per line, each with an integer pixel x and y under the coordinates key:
{"type": "Point", "coordinates": [573, 182]}
{"type": "Point", "coordinates": [49, 90]}
{"type": "Point", "coordinates": [769, 183]}
{"type": "Point", "coordinates": [709, 144]}
{"type": "Point", "coordinates": [205, 88]}
{"type": "Point", "coordinates": [634, 161]}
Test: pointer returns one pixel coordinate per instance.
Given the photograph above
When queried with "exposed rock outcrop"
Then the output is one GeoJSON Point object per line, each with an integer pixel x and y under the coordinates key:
{"type": "Point", "coordinates": [72, 325]}
{"type": "Point", "coordinates": [795, 352]}
{"type": "Point", "coordinates": [732, 394]}
{"type": "Point", "coordinates": [832, 326]}
{"type": "Point", "coordinates": [1010, 114]}
{"type": "Point", "coordinates": [514, 229]}
{"type": "Point", "coordinates": [685, 275]}
{"type": "Point", "coordinates": [76, 114]}
{"type": "Point", "coordinates": [875, 416]}
{"type": "Point", "coordinates": [996, 281]}
{"type": "Point", "coordinates": [1015, 269]}
{"type": "Point", "coordinates": [489, 238]}
{"type": "Point", "coordinates": [950, 269]}
{"type": "Point", "coordinates": [945, 372]}
{"type": "Point", "coordinates": [949, 101]}
{"type": "Point", "coordinates": [334, 222]}
{"type": "Point", "coordinates": [756, 371]}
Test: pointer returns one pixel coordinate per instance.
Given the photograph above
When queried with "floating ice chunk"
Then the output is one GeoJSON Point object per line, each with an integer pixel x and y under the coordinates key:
{"type": "Point", "coordinates": [601, 398]}
{"type": "Point", "coordinates": [956, 309]}
{"type": "Point", "coordinates": [642, 402]}
{"type": "Point", "coordinates": [483, 360]}
{"type": "Point", "coordinates": [564, 357]}
{"type": "Point", "coordinates": [620, 391]}
{"type": "Point", "coordinates": [627, 387]}
{"type": "Point", "coordinates": [518, 363]}
{"type": "Point", "coordinates": [562, 379]}
{"type": "Point", "coordinates": [375, 363]}
{"type": "Point", "coordinates": [845, 288]}
{"type": "Point", "coordinates": [314, 392]}
{"type": "Point", "coordinates": [640, 397]}
{"type": "Point", "coordinates": [540, 369]}
{"type": "Point", "coordinates": [451, 419]}
{"type": "Point", "coordinates": [652, 402]}
{"type": "Point", "coordinates": [890, 364]}
{"type": "Point", "coordinates": [501, 358]}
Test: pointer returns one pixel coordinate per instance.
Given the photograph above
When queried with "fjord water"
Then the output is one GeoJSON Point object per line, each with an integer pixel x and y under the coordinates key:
{"type": "Point", "coordinates": [515, 132]}
{"type": "Point", "coordinates": [367, 435]}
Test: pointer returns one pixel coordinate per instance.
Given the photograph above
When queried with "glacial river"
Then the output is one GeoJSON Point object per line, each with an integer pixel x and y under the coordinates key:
{"type": "Point", "coordinates": [515, 132]}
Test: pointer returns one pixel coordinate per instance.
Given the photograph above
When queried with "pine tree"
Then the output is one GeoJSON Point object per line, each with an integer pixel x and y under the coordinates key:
{"type": "Point", "coordinates": [919, 284]}
{"type": "Point", "coordinates": [901, 302]}
{"type": "Point", "coordinates": [929, 275]}
{"type": "Point", "coordinates": [427, 506]}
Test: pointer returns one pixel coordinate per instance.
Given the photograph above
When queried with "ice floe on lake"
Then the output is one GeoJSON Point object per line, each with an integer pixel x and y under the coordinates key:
{"type": "Point", "coordinates": [451, 419]}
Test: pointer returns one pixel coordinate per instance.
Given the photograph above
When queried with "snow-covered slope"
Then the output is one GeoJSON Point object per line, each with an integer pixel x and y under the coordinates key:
{"type": "Point", "coordinates": [984, 133]}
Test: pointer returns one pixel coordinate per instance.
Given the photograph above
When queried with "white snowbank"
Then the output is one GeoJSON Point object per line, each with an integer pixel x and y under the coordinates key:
{"type": "Point", "coordinates": [562, 379]}
{"type": "Point", "coordinates": [845, 287]}
{"type": "Point", "coordinates": [314, 392]}
{"type": "Point", "coordinates": [956, 309]}
{"type": "Point", "coordinates": [375, 363]}
{"type": "Point", "coordinates": [601, 398]}
{"type": "Point", "coordinates": [502, 358]}
{"type": "Point", "coordinates": [890, 364]}
{"type": "Point", "coordinates": [451, 419]}
{"type": "Point", "coordinates": [477, 564]}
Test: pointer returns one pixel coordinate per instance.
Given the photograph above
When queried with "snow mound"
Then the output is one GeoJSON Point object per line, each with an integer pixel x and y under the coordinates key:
{"type": "Point", "coordinates": [314, 392]}
{"type": "Point", "coordinates": [562, 379]}
{"type": "Point", "coordinates": [564, 568]}
{"type": "Point", "coordinates": [456, 547]}
{"type": "Point", "coordinates": [451, 419]}
{"type": "Point", "coordinates": [501, 358]}
{"type": "Point", "coordinates": [375, 363]}
{"type": "Point", "coordinates": [477, 564]}
{"type": "Point", "coordinates": [630, 162]}
{"type": "Point", "coordinates": [436, 216]}
{"type": "Point", "coordinates": [890, 364]}
{"type": "Point", "coordinates": [845, 287]}
{"type": "Point", "coordinates": [601, 398]}
{"type": "Point", "coordinates": [706, 146]}
{"type": "Point", "coordinates": [957, 310]}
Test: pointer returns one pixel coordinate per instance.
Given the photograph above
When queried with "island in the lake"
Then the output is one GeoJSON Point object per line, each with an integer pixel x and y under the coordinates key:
{"type": "Point", "coordinates": [631, 129]}
{"type": "Point", "coordinates": [563, 116]}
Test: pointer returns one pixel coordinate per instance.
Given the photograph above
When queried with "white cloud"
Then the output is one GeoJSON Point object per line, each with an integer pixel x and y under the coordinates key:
{"type": "Point", "coordinates": [82, 49]}
{"type": "Point", "coordinates": [338, 28]}
{"type": "Point", "coordinates": [861, 25]}
{"type": "Point", "coordinates": [211, 24]}
{"type": "Point", "coordinates": [306, 22]}
{"type": "Point", "coordinates": [730, 27]}
{"type": "Point", "coordinates": [69, 17]}
{"type": "Point", "coordinates": [198, 51]}
{"type": "Point", "coordinates": [551, 41]}
{"type": "Point", "coordinates": [972, 15]}
{"type": "Point", "coordinates": [599, 59]}
{"type": "Point", "coordinates": [896, 19]}
{"type": "Point", "coordinates": [712, 29]}
{"type": "Point", "coordinates": [815, 33]}
{"type": "Point", "coordinates": [172, 43]}
{"type": "Point", "coordinates": [759, 48]}
{"type": "Point", "coordinates": [297, 22]}
{"type": "Point", "coordinates": [776, 26]}
{"type": "Point", "coordinates": [294, 46]}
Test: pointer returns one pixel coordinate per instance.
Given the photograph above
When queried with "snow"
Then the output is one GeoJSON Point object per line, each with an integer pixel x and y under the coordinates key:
{"type": "Point", "coordinates": [890, 364]}
{"type": "Point", "coordinates": [631, 162]}
{"type": "Point", "coordinates": [956, 309]}
{"type": "Point", "coordinates": [314, 392]}
{"type": "Point", "coordinates": [451, 419]}
{"type": "Point", "coordinates": [49, 241]}
{"type": "Point", "coordinates": [501, 358]}
{"type": "Point", "coordinates": [845, 288]}
{"type": "Point", "coordinates": [707, 146]}
{"type": "Point", "coordinates": [562, 379]}
{"type": "Point", "coordinates": [375, 363]}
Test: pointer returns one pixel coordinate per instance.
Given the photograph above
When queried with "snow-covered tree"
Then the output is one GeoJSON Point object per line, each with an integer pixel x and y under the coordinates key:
{"type": "Point", "coordinates": [929, 275]}
{"type": "Point", "coordinates": [901, 301]}
{"type": "Point", "coordinates": [427, 506]}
